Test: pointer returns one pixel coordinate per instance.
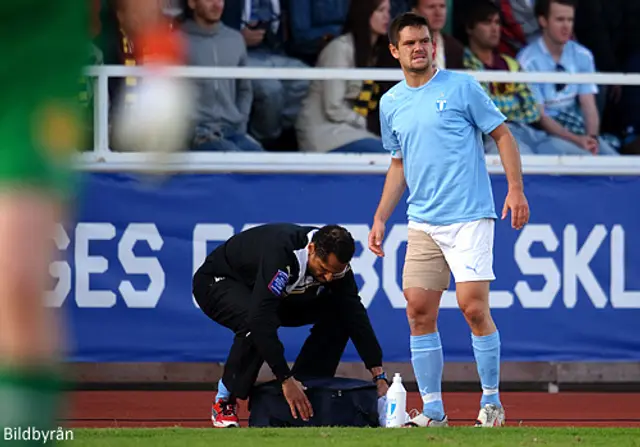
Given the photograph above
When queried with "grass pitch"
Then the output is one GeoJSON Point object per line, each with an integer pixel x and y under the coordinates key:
{"type": "Point", "coordinates": [356, 437]}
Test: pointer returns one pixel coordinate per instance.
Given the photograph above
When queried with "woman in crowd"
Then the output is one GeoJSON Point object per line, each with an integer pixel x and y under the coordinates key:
{"type": "Point", "coordinates": [334, 116]}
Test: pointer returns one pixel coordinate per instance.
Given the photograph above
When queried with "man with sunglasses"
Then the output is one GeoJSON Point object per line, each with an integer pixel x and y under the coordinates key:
{"type": "Point", "coordinates": [515, 100]}
{"type": "Point", "coordinates": [569, 111]}
{"type": "Point", "coordinates": [284, 275]}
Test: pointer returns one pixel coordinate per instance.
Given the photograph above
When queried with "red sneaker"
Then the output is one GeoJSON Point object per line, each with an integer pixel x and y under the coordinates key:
{"type": "Point", "coordinates": [224, 414]}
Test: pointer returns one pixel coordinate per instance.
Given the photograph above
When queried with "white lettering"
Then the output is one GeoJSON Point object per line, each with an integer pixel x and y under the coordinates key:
{"type": "Point", "coordinates": [531, 266]}
{"type": "Point", "coordinates": [364, 264]}
{"type": "Point", "coordinates": [396, 237]}
{"type": "Point", "coordinates": [620, 298]}
{"type": "Point", "coordinates": [8, 434]}
{"type": "Point", "coordinates": [139, 265]}
{"type": "Point", "coordinates": [203, 233]}
{"type": "Point", "coordinates": [497, 300]}
{"type": "Point", "coordinates": [86, 265]}
{"type": "Point", "coordinates": [61, 270]}
{"type": "Point", "coordinates": [576, 266]}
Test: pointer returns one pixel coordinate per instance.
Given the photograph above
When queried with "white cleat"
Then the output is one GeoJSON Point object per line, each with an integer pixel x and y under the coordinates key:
{"type": "Point", "coordinates": [490, 416]}
{"type": "Point", "coordinates": [420, 420]}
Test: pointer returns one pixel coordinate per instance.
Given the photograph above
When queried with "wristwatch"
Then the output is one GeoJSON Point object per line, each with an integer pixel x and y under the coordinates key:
{"type": "Point", "coordinates": [382, 376]}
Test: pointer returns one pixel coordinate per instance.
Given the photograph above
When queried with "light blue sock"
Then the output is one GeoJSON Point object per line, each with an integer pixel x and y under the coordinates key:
{"type": "Point", "coordinates": [223, 392]}
{"type": "Point", "coordinates": [427, 361]}
{"type": "Point", "coordinates": [486, 350]}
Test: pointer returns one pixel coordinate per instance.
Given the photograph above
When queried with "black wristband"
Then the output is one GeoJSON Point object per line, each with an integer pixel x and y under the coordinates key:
{"type": "Point", "coordinates": [382, 376]}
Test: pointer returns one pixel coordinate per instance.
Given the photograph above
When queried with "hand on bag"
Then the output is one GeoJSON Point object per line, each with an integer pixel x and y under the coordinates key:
{"type": "Point", "coordinates": [297, 400]}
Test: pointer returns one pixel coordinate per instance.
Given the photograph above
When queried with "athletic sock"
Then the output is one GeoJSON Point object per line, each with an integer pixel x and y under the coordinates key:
{"type": "Point", "coordinates": [486, 350]}
{"type": "Point", "coordinates": [223, 392]}
{"type": "Point", "coordinates": [428, 362]}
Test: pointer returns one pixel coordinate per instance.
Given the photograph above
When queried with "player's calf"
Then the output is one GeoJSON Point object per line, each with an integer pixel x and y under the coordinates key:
{"type": "Point", "coordinates": [473, 298]}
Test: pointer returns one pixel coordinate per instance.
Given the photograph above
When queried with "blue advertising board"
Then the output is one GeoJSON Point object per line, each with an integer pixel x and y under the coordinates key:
{"type": "Point", "coordinates": [567, 287]}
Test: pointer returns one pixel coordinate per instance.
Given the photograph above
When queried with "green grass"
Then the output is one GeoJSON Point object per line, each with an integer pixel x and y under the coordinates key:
{"type": "Point", "coordinates": [354, 437]}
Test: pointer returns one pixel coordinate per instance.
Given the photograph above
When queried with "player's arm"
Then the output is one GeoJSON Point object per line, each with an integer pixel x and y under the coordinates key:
{"type": "Point", "coordinates": [394, 184]}
{"type": "Point", "coordinates": [488, 118]}
{"type": "Point", "coordinates": [509, 155]}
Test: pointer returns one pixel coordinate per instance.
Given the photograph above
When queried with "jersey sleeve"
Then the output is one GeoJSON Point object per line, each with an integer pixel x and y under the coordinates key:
{"type": "Point", "coordinates": [586, 64]}
{"type": "Point", "coordinates": [354, 316]}
{"type": "Point", "coordinates": [482, 111]}
{"type": "Point", "coordinates": [389, 138]}
{"type": "Point", "coordinates": [263, 322]}
{"type": "Point", "coordinates": [527, 65]}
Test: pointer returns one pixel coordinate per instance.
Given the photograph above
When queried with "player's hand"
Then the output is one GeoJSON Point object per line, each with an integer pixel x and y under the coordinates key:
{"type": "Point", "coordinates": [376, 235]}
{"type": "Point", "coordinates": [297, 400]}
{"type": "Point", "coordinates": [517, 203]}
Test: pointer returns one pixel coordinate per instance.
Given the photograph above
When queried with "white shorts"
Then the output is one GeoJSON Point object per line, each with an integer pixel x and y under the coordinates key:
{"type": "Point", "coordinates": [466, 247]}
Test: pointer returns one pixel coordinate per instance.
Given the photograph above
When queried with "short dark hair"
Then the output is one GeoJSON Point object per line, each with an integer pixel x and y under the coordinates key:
{"type": "Point", "coordinates": [403, 21]}
{"type": "Point", "coordinates": [543, 7]}
{"type": "Point", "coordinates": [479, 11]}
{"type": "Point", "coordinates": [334, 239]}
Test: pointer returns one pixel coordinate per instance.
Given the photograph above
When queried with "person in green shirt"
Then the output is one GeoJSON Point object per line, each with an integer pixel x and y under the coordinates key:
{"type": "Point", "coordinates": [41, 126]}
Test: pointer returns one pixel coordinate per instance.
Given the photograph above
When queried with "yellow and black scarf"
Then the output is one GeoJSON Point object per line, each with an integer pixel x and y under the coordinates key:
{"type": "Point", "coordinates": [368, 98]}
{"type": "Point", "coordinates": [128, 60]}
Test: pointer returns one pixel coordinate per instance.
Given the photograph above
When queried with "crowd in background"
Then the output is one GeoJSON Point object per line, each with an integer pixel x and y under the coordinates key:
{"type": "Point", "coordinates": [336, 115]}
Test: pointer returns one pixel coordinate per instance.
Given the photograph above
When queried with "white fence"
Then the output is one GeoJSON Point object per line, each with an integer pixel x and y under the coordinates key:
{"type": "Point", "coordinates": [103, 159]}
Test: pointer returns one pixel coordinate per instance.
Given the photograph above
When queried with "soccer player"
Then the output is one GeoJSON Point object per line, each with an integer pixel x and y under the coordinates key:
{"type": "Point", "coordinates": [432, 123]}
{"type": "Point", "coordinates": [284, 275]}
{"type": "Point", "coordinates": [40, 127]}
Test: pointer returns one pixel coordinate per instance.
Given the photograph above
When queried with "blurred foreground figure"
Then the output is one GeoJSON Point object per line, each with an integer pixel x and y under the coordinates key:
{"type": "Point", "coordinates": [40, 128]}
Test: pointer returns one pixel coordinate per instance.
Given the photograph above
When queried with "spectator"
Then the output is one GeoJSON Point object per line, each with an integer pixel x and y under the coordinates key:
{"type": "Point", "coordinates": [224, 104]}
{"type": "Point", "coordinates": [115, 41]}
{"type": "Point", "coordinates": [515, 100]}
{"type": "Point", "coordinates": [449, 50]}
{"type": "Point", "coordinates": [334, 114]}
{"type": "Point", "coordinates": [120, 25]}
{"type": "Point", "coordinates": [568, 110]}
{"type": "Point", "coordinates": [314, 23]}
{"type": "Point", "coordinates": [519, 25]}
{"type": "Point", "coordinates": [276, 103]}
{"type": "Point", "coordinates": [630, 57]}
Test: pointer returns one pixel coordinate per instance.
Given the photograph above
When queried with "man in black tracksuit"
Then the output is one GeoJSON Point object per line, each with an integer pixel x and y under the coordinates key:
{"type": "Point", "coordinates": [284, 275]}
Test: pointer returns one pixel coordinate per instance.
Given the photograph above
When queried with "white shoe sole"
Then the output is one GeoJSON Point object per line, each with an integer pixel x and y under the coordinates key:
{"type": "Point", "coordinates": [224, 424]}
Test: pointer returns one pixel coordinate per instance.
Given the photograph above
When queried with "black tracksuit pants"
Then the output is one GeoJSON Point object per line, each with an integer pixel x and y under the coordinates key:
{"type": "Point", "coordinates": [227, 302]}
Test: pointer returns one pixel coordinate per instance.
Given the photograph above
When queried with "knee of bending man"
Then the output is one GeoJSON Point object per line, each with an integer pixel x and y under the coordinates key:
{"type": "Point", "coordinates": [422, 310]}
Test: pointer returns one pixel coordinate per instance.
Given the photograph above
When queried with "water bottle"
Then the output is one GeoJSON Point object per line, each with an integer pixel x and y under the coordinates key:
{"type": "Point", "coordinates": [396, 403]}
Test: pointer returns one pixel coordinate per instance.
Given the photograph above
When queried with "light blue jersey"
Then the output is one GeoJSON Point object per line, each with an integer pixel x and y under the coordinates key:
{"type": "Point", "coordinates": [437, 130]}
{"type": "Point", "coordinates": [559, 98]}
